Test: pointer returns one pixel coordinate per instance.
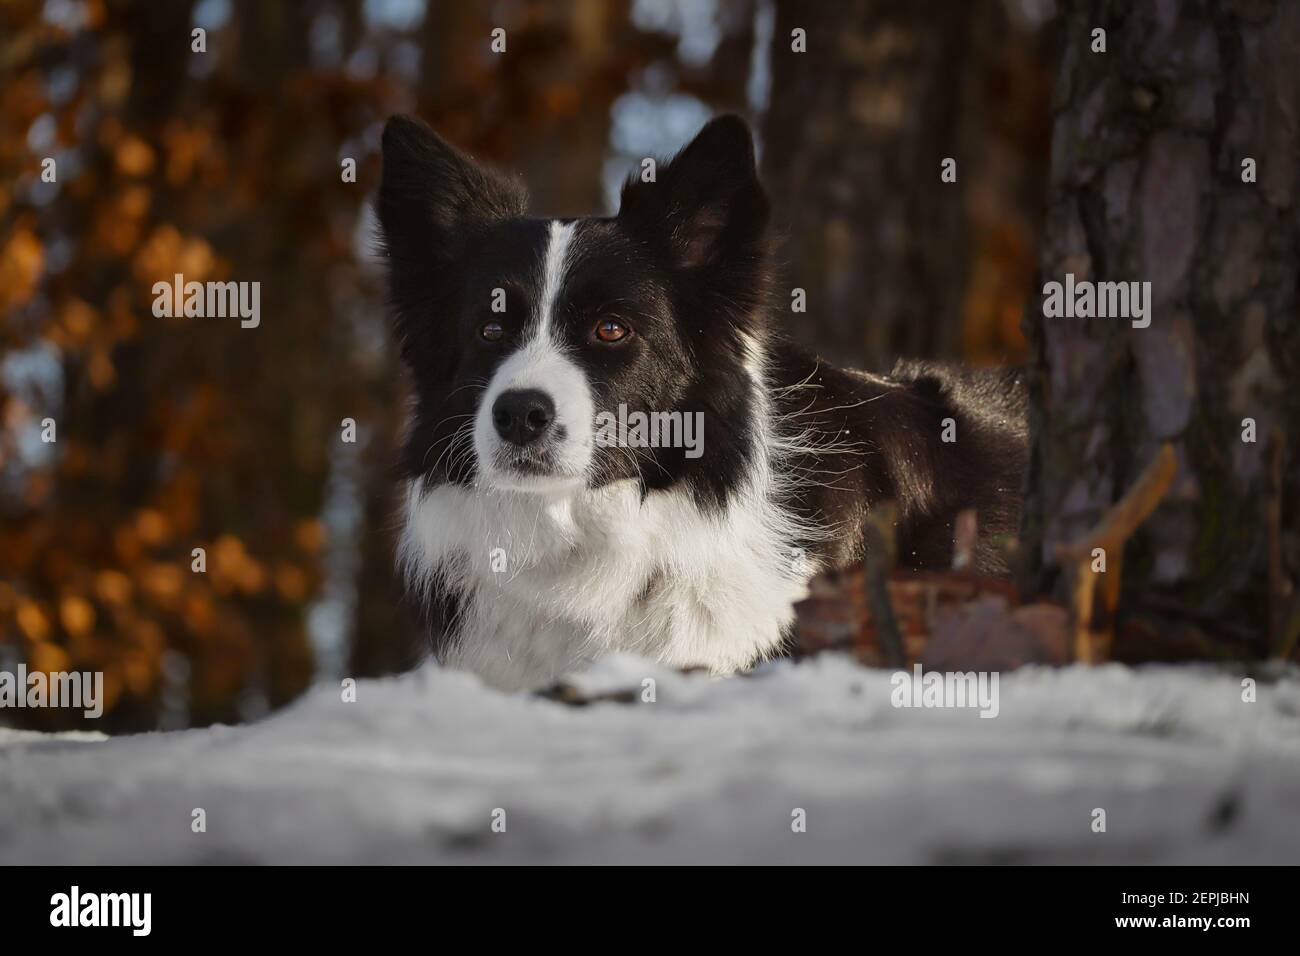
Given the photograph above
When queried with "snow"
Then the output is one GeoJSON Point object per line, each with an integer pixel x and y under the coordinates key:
{"type": "Point", "coordinates": [711, 771]}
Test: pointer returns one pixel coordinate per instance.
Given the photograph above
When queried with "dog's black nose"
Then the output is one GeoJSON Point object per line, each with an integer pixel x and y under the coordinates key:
{"type": "Point", "coordinates": [522, 416]}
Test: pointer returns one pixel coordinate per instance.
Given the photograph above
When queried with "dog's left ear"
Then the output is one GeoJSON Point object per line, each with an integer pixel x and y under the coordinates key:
{"type": "Point", "coordinates": [706, 204]}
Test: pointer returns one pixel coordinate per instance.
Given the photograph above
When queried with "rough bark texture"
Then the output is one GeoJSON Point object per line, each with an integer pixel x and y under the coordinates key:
{"type": "Point", "coordinates": [1146, 184]}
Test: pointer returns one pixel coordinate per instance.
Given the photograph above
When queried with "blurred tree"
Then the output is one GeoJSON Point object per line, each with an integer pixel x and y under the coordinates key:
{"type": "Point", "coordinates": [1176, 160]}
{"type": "Point", "coordinates": [176, 434]}
{"type": "Point", "coordinates": [894, 260]}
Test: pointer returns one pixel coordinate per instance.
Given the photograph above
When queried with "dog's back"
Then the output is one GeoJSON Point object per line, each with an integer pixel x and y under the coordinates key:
{"type": "Point", "coordinates": [936, 438]}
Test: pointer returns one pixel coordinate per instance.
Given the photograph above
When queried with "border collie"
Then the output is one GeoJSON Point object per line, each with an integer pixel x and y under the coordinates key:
{"type": "Point", "coordinates": [534, 546]}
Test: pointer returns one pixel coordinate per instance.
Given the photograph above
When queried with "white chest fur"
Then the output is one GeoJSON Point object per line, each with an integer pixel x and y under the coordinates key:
{"type": "Point", "coordinates": [550, 583]}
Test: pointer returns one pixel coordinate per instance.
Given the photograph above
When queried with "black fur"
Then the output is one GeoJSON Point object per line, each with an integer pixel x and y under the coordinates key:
{"type": "Point", "coordinates": [686, 263]}
{"type": "Point", "coordinates": [895, 425]}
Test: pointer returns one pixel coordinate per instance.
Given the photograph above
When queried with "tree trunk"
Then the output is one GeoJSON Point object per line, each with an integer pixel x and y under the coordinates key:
{"type": "Point", "coordinates": [854, 137]}
{"type": "Point", "coordinates": [1146, 184]}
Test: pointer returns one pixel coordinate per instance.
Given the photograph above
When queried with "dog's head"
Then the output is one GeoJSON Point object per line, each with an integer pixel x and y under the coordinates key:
{"type": "Point", "coordinates": [521, 333]}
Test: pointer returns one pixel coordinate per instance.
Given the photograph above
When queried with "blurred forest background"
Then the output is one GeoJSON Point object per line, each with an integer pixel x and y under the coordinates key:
{"type": "Point", "coordinates": [174, 434]}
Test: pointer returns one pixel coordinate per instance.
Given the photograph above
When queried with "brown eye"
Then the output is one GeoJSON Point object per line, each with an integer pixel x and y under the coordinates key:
{"type": "Point", "coordinates": [609, 331]}
{"type": "Point", "coordinates": [492, 331]}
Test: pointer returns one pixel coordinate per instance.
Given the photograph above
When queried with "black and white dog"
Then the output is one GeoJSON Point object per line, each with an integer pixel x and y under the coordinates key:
{"type": "Point", "coordinates": [534, 543]}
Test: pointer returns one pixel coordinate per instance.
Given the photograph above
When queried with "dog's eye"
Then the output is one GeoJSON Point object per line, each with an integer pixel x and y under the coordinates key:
{"type": "Point", "coordinates": [610, 331]}
{"type": "Point", "coordinates": [491, 331]}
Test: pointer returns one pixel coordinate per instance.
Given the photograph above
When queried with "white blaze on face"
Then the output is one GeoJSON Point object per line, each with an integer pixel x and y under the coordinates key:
{"type": "Point", "coordinates": [542, 363]}
{"type": "Point", "coordinates": [555, 266]}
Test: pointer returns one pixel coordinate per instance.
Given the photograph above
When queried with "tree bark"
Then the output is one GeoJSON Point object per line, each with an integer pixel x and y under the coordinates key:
{"type": "Point", "coordinates": [1146, 184]}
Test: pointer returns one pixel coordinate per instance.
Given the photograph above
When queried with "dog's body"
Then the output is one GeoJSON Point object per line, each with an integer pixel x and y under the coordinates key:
{"type": "Point", "coordinates": [533, 546]}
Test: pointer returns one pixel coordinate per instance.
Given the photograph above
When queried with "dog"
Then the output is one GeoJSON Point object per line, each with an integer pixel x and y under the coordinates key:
{"type": "Point", "coordinates": [536, 540]}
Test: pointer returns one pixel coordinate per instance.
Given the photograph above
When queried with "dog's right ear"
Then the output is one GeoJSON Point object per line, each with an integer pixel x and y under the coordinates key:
{"type": "Point", "coordinates": [431, 192]}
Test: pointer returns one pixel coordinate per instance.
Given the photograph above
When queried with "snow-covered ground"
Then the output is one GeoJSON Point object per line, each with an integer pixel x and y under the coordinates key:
{"type": "Point", "coordinates": [711, 771]}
